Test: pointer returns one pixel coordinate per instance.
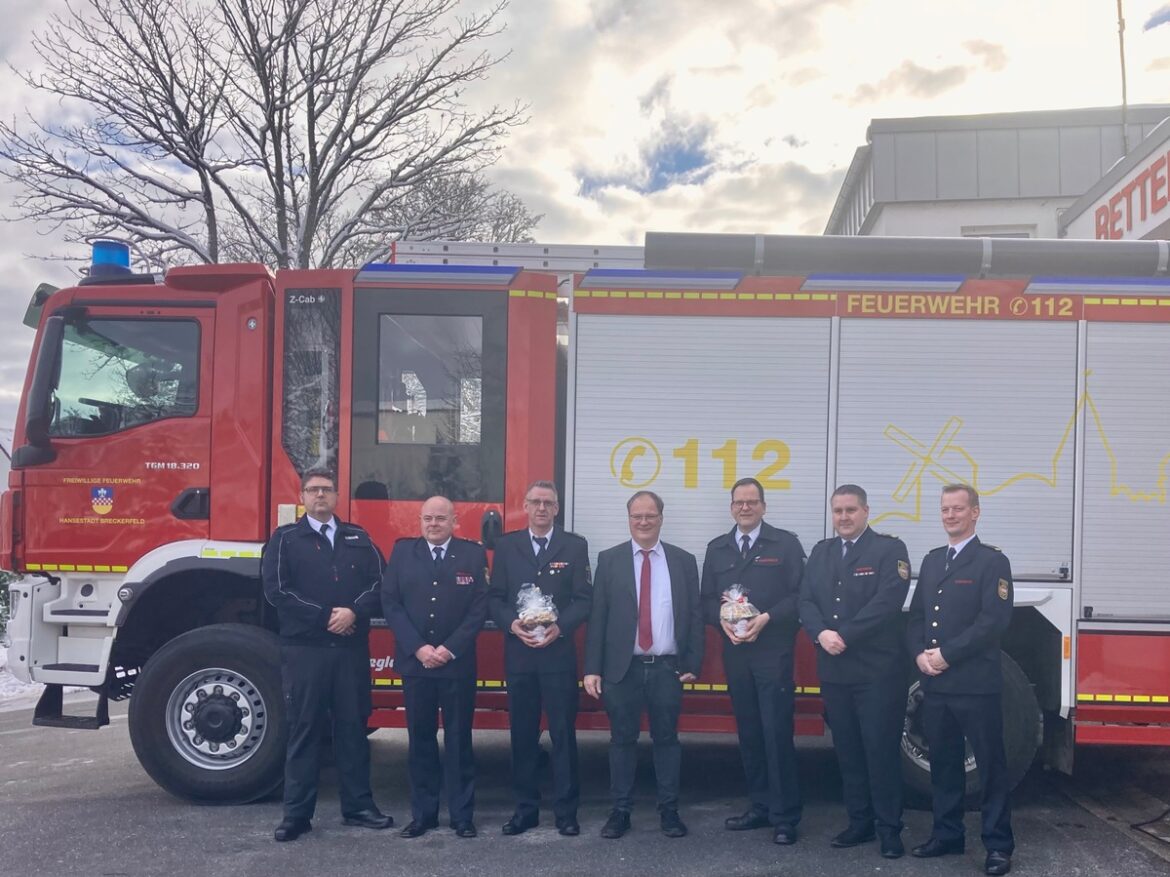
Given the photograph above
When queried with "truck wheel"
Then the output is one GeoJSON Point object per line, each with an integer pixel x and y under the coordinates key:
{"type": "Point", "coordinates": [1022, 722]}
{"type": "Point", "coordinates": [207, 715]}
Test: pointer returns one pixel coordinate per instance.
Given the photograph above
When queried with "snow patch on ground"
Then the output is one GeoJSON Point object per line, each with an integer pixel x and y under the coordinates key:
{"type": "Point", "coordinates": [15, 694]}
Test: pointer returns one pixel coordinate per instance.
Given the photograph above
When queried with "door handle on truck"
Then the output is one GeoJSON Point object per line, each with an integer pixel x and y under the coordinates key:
{"type": "Point", "coordinates": [193, 504]}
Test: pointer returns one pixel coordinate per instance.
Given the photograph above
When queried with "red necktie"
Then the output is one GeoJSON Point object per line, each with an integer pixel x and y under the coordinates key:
{"type": "Point", "coordinates": [645, 628]}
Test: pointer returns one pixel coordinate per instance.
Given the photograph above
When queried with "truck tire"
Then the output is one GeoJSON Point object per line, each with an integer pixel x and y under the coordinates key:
{"type": "Point", "coordinates": [1022, 730]}
{"type": "Point", "coordinates": [207, 715]}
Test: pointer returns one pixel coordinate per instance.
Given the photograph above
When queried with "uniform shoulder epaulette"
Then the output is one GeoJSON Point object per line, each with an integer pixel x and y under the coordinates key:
{"type": "Point", "coordinates": [401, 539]}
{"type": "Point", "coordinates": [571, 533]}
{"type": "Point", "coordinates": [785, 532]}
{"type": "Point", "coordinates": [992, 547]}
{"type": "Point", "coordinates": [885, 535]}
{"type": "Point", "coordinates": [826, 539]}
{"type": "Point", "coordinates": [940, 549]}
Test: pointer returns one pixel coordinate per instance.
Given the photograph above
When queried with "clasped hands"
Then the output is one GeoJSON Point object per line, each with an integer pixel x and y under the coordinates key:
{"type": "Point", "coordinates": [931, 662]}
{"type": "Point", "coordinates": [433, 657]}
{"type": "Point", "coordinates": [342, 621]}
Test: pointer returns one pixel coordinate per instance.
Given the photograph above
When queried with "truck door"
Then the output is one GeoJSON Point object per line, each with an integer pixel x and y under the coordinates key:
{"type": "Point", "coordinates": [429, 406]}
{"type": "Point", "coordinates": [130, 427]}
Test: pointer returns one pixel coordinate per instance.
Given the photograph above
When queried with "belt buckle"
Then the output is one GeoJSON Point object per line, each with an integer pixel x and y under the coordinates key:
{"type": "Point", "coordinates": [648, 659]}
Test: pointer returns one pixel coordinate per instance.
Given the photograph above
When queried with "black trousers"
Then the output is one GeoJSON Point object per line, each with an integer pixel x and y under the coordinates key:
{"type": "Point", "coordinates": [321, 682]}
{"type": "Point", "coordinates": [763, 702]}
{"type": "Point", "coordinates": [556, 695]}
{"type": "Point", "coordinates": [426, 698]}
{"type": "Point", "coordinates": [655, 689]}
{"type": "Point", "coordinates": [866, 719]}
{"type": "Point", "coordinates": [946, 720]}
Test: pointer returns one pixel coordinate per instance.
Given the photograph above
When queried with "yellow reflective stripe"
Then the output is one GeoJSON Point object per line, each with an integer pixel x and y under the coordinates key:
{"type": "Point", "coordinates": [75, 567]}
{"type": "Point", "coordinates": [225, 553]}
{"type": "Point", "coordinates": [1085, 697]}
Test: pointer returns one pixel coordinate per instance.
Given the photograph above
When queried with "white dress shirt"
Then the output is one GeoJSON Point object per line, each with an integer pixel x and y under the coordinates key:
{"type": "Point", "coordinates": [752, 536]}
{"type": "Point", "coordinates": [317, 525]}
{"type": "Point", "coordinates": [959, 546]}
{"type": "Point", "coordinates": [661, 602]}
{"type": "Point", "coordinates": [547, 537]}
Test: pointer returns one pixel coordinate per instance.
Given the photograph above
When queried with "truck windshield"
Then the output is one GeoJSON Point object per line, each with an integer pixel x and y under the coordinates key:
{"type": "Point", "coordinates": [120, 373]}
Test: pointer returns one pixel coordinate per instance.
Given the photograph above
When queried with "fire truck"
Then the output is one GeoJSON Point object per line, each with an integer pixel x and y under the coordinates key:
{"type": "Point", "coordinates": [164, 423]}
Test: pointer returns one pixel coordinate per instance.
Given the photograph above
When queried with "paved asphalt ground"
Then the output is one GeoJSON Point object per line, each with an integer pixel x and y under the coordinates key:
{"type": "Point", "coordinates": [77, 803]}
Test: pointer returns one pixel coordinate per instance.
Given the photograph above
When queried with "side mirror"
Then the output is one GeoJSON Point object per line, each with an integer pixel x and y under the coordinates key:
{"type": "Point", "coordinates": [491, 528]}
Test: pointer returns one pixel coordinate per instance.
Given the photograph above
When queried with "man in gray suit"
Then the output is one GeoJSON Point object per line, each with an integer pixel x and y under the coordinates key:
{"type": "Point", "coordinates": [645, 639]}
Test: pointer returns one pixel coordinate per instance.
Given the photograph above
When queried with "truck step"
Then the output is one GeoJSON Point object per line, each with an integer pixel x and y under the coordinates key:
{"type": "Point", "coordinates": [50, 709]}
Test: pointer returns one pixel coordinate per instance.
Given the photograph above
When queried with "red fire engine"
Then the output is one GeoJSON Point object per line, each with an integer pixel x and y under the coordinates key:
{"type": "Point", "coordinates": [163, 425]}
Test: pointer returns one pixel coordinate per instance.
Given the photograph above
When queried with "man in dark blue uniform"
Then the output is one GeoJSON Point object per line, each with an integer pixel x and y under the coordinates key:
{"type": "Point", "coordinates": [322, 575]}
{"type": "Point", "coordinates": [851, 607]}
{"type": "Point", "coordinates": [767, 563]}
{"type": "Point", "coordinates": [434, 594]}
{"type": "Point", "coordinates": [960, 611]}
{"type": "Point", "coordinates": [541, 665]}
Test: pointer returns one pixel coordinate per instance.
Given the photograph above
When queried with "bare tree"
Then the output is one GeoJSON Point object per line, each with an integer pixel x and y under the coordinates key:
{"type": "Point", "coordinates": [292, 132]}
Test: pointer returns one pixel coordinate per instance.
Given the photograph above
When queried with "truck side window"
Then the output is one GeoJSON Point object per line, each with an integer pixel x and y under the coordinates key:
{"type": "Point", "coordinates": [312, 377]}
{"type": "Point", "coordinates": [121, 373]}
{"type": "Point", "coordinates": [429, 395]}
{"type": "Point", "coordinates": [430, 384]}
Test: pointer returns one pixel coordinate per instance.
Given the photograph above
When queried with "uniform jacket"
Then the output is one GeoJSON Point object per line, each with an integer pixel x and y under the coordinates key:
{"type": "Point", "coordinates": [305, 579]}
{"type": "Point", "coordinates": [563, 573]}
{"type": "Point", "coordinates": [613, 620]}
{"type": "Point", "coordinates": [965, 611]}
{"type": "Point", "coordinates": [443, 605]}
{"type": "Point", "coordinates": [861, 598]}
{"type": "Point", "coordinates": [771, 574]}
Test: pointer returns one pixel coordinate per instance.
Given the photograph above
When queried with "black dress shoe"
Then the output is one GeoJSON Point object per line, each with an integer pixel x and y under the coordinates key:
{"type": "Point", "coordinates": [616, 825]}
{"type": "Point", "coordinates": [465, 828]}
{"type": "Point", "coordinates": [418, 827]}
{"type": "Point", "coordinates": [672, 826]}
{"type": "Point", "coordinates": [372, 818]}
{"type": "Point", "coordinates": [519, 824]}
{"type": "Point", "coordinates": [853, 836]}
{"type": "Point", "coordinates": [933, 848]}
{"type": "Point", "coordinates": [569, 826]}
{"type": "Point", "coordinates": [892, 847]}
{"type": "Point", "coordinates": [291, 829]}
{"type": "Point", "coordinates": [998, 862]}
{"type": "Point", "coordinates": [746, 822]}
{"type": "Point", "coordinates": [784, 834]}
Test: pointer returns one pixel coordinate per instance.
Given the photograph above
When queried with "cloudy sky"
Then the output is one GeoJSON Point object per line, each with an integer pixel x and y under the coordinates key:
{"type": "Point", "coordinates": [697, 115]}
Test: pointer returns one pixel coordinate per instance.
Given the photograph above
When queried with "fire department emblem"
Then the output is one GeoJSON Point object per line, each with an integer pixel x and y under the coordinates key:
{"type": "Point", "coordinates": [1003, 589]}
{"type": "Point", "coordinates": [102, 500]}
{"type": "Point", "coordinates": [904, 570]}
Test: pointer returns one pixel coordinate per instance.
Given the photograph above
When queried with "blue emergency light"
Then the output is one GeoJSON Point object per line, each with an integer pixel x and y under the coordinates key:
{"type": "Point", "coordinates": [109, 259]}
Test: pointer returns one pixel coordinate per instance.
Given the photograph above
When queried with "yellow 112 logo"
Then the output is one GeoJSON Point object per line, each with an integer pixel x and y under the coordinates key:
{"type": "Point", "coordinates": [636, 462]}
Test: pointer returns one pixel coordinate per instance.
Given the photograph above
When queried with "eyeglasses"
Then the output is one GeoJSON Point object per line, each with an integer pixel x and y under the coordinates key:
{"type": "Point", "coordinates": [541, 503]}
{"type": "Point", "coordinates": [644, 519]}
{"type": "Point", "coordinates": [744, 503]}
{"type": "Point", "coordinates": [320, 491]}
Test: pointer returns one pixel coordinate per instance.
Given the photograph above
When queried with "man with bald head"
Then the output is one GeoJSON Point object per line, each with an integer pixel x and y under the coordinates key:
{"type": "Point", "coordinates": [434, 596]}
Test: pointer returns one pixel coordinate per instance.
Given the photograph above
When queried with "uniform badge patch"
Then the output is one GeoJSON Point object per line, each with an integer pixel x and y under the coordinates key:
{"type": "Point", "coordinates": [1003, 589]}
{"type": "Point", "coordinates": [904, 570]}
